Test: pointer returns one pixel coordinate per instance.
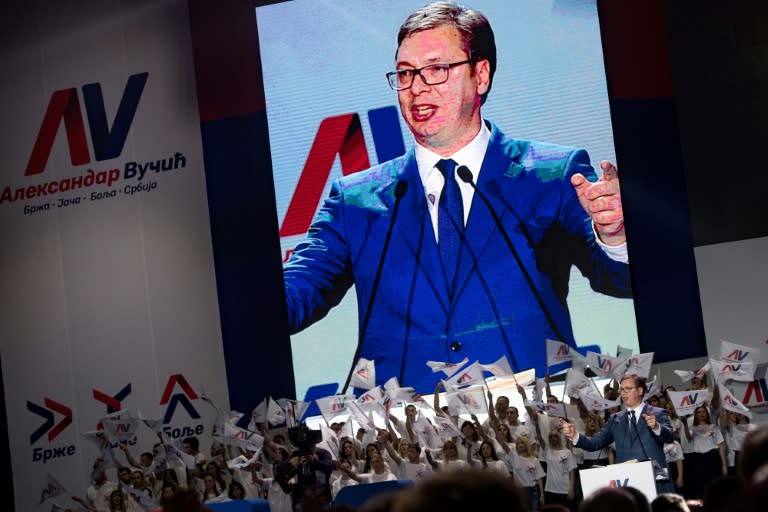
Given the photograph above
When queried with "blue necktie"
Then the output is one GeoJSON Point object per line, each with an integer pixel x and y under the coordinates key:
{"type": "Point", "coordinates": [450, 220]}
{"type": "Point", "coordinates": [633, 421]}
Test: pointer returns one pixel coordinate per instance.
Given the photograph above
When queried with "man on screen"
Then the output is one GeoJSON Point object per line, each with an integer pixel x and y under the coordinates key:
{"type": "Point", "coordinates": [476, 265]}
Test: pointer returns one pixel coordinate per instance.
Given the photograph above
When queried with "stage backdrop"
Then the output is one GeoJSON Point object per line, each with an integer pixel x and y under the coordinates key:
{"type": "Point", "coordinates": [108, 291]}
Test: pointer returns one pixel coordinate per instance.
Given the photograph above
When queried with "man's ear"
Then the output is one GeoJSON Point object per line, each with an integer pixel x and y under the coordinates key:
{"type": "Point", "coordinates": [483, 74]}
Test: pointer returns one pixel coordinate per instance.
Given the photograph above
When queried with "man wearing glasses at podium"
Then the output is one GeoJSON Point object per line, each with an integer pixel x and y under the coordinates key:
{"type": "Point", "coordinates": [638, 432]}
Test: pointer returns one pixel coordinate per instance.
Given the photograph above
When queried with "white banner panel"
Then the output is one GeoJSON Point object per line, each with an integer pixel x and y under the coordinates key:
{"type": "Point", "coordinates": [108, 291]}
{"type": "Point", "coordinates": [733, 277]}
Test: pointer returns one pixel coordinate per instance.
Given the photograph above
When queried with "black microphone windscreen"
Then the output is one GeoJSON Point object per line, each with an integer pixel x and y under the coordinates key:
{"type": "Point", "coordinates": [401, 188]}
{"type": "Point", "coordinates": [465, 174]}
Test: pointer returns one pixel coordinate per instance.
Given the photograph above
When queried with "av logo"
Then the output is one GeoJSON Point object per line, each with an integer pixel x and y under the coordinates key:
{"type": "Point", "coordinates": [107, 143]}
{"type": "Point", "coordinates": [339, 404]}
{"type": "Point", "coordinates": [689, 400]}
{"type": "Point", "coordinates": [47, 413]}
{"type": "Point", "coordinates": [604, 363]}
{"type": "Point", "coordinates": [563, 350]}
{"type": "Point", "coordinates": [468, 400]}
{"type": "Point", "coordinates": [179, 398]}
{"type": "Point", "coordinates": [340, 135]}
{"type": "Point", "coordinates": [756, 393]}
{"type": "Point", "coordinates": [737, 355]}
{"type": "Point", "coordinates": [113, 403]}
{"type": "Point", "coordinates": [618, 483]}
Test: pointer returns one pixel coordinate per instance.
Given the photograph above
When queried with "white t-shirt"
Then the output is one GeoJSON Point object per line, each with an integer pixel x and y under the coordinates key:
{"type": "Point", "coordinates": [734, 439]}
{"type": "Point", "coordinates": [414, 471]}
{"type": "Point", "coordinates": [705, 438]}
{"type": "Point", "coordinates": [559, 464]}
{"type": "Point", "coordinates": [526, 470]}
{"type": "Point", "coordinates": [673, 452]}
{"type": "Point", "coordinates": [444, 465]}
{"type": "Point", "coordinates": [340, 483]}
{"type": "Point", "coordinates": [277, 499]}
{"type": "Point", "coordinates": [370, 478]}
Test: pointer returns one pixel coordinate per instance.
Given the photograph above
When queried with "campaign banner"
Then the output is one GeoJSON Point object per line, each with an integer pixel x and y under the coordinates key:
{"type": "Point", "coordinates": [109, 292]}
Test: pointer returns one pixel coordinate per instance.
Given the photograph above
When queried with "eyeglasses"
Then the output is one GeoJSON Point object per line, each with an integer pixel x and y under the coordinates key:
{"type": "Point", "coordinates": [434, 74]}
{"type": "Point", "coordinates": [627, 389]}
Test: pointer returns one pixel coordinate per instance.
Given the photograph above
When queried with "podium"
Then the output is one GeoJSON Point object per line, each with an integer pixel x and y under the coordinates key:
{"type": "Point", "coordinates": [639, 475]}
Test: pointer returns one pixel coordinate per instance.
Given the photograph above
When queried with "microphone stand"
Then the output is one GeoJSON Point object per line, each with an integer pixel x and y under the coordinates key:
{"type": "Point", "coordinates": [466, 175]}
{"type": "Point", "coordinates": [400, 189]}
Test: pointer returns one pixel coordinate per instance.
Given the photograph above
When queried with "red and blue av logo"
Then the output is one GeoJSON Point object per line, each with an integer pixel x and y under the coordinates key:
{"type": "Point", "coordinates": [340, 135]}
{"type": "Point", "coordinates": [51, 406]}
{"type": "Point", "coordinates": [65, 105]}
{"type": "Point", "coordinates": [182, 398]}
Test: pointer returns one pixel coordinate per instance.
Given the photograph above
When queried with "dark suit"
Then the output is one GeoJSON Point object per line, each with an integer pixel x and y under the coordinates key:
{"type": "Point", "coordinates": [493, 312]}
{"type": "Point", "coordinates": [640, 445]}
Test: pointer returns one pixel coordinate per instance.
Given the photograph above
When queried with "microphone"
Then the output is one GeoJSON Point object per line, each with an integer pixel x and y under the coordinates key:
{"type": "Point", "coordinates": [400, 189]}
{"type": "Point", "coordinates": [466, 176]}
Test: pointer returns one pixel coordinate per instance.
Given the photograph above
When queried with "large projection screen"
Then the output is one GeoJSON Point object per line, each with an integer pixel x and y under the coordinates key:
{"type": "Point", "coordinates": [324, 58]}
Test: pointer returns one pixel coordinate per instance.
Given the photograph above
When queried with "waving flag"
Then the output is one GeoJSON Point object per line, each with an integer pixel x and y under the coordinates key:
{"type": "Point", "coordinates": [447, 428]}
{"type": "Point", "coordinates": [577, 384]}
{"type": "Point", "coordinates": [447, 368]}
{"type": "Point", "coordinates": [364, 374]}
{"type": "Point", "coordinates": [551, 409]}
{"type": "Point", "coordinates": [638, 364]}
{"type": "Point", "coordinates": [245, 439]}
{"type": "Point", "coordinates": [175, 453]}
{"type": "Point", "coordinates": [737, 353]}
{"type": "Point", "coordinates": [685, 375]}
{"type": "Point", "coordinates": [258, 415]}
{"type": "Point", "coordinates": [685, 402]}
{"type": "Point", "coordinates": [120, 427]}
{"type": "Point", "coordinates": [332, 406]}
{"type": "Point", "coordinates": [359, 415]}
{"type": "Point", "coordinates": [371, 399]}
{"type": "Point", "coordinates": [141, 496]}
{"type": "Point", "coordinates": [469, 376]}
{"type": "Point", "coordinates": [728, 370]}
{"type": "Point", "coordinates": [731, 403]}
{"type": "Point", "coordinates": [500, 367]}
{"type": "Point", "coordinates": [52, 489]}
{"type": "Point", "coordinates": [598, 403]}
{"type": "Point", "coordinates": [426, 434]}
{"type": "Point", "coordinates": [330, 440]}
{"type": "Point", "coordinates": [559, 352]}
{"type": "Point", "coordinates": [104, 461]}
{"type": "Point", "coordinates": [294, 410]}
{"type": "Point", "coordinates": [468, 401]}
{"type": "Point", "coordinates": [604, 365]}
{"type": "Point", "coordinates": [275, 414]}
{"type": "Point", "coordinates": [394, 393]}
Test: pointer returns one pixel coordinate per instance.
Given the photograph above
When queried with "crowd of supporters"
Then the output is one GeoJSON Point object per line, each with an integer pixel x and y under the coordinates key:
{"type": "Point", "coordinates": [527, 448]}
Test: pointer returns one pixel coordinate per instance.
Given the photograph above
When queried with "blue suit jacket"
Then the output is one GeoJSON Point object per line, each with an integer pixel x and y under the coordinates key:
{"type": "Point", "coordinates": [630, 445]}
{"type": "Point", "coordinates": [494, 312]}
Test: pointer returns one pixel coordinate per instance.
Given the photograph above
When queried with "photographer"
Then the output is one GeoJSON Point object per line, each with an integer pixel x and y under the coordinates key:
{"type": "Point", "coordinates": [307, 472]}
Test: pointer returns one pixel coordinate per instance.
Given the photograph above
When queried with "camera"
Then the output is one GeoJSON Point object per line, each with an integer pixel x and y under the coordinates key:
{"type": "Point", "coordinates": [303, 438]}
